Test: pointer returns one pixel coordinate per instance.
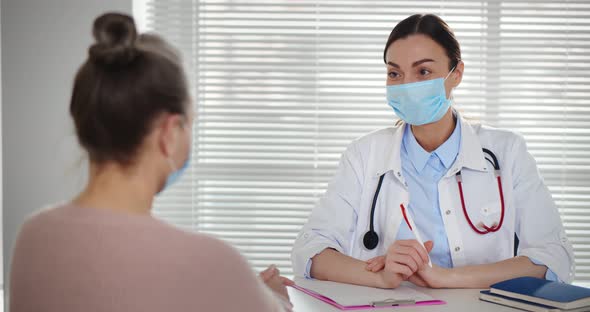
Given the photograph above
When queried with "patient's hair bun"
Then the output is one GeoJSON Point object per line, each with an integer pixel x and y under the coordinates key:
{"type": "Point", "coordinates": [115, 36]}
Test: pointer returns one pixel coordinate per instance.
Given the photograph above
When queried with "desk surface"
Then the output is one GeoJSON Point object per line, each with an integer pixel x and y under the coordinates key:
{"type": "Point", "coordinates": [457, 300]}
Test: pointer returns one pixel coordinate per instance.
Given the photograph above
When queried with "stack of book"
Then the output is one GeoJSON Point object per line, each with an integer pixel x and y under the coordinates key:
{"type": "Point", "coordinates": [535, 294]}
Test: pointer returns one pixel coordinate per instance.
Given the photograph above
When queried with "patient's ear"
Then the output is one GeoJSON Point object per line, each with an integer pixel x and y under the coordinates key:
{"type": "Point", "coordinates": [167, 129]}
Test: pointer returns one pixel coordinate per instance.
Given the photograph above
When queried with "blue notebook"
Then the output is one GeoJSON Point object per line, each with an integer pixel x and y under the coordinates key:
{"type": "Point", "coordinates": [554, 294]}
{"type": "Point", "coordinates": [486, 295]}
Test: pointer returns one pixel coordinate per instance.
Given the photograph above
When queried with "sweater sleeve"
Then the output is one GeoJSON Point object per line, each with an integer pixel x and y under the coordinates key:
{"type": "Point", "coordinates": [233, 284]}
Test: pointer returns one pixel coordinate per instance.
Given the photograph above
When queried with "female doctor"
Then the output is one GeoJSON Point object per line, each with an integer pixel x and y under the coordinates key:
{"type": "Point", "coordinates": [435, 200]}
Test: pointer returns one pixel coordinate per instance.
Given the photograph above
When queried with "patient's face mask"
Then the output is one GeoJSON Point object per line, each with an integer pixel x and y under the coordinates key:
{"type": "Point", "coordinates": [176, 174]}
{"type": "Point", "coordinates": [419, 103]}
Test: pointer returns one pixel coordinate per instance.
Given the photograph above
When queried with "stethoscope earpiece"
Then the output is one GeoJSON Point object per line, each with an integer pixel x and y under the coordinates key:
{"type": "Point", "coordinates": [371, 240]}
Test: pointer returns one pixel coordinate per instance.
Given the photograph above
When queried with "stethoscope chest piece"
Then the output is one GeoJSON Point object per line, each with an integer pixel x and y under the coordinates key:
{"type": "Point", "coordinates": [371, 240]}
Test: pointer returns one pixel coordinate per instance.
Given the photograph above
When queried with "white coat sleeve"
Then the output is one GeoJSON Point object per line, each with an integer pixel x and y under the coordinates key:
{"type": "Point", "coordinates": [332, 221]}
{"type": "Point", "coordinates": [538, 224]}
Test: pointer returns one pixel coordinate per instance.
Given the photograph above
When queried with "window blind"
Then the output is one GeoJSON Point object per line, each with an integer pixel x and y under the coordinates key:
{"type": "Point", "coordinates": [281, 87]}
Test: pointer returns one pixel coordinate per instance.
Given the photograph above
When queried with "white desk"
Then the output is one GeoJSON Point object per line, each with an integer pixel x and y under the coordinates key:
{"type": "Point", "coordinates": [458, 300]}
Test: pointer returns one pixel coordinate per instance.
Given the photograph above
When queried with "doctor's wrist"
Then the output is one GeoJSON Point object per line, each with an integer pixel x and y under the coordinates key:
{"type": "Point", "coordinates": [447, 278]}
{"type": "Point", "coordinates": [441, 277]}
{"type": "Point", "coordinates": [387, 280]}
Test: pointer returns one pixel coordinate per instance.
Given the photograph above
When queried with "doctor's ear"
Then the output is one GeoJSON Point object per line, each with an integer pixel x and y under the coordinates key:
{"type": "Point", "coordinates": [457, 74]}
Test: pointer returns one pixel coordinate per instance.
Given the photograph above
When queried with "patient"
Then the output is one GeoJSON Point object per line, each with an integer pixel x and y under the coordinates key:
{"type": "Point", "coordinates": [103, 250]}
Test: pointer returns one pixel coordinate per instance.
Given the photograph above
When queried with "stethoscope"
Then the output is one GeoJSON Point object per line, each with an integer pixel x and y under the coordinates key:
{"type": "Point", "coordinates": [371, 239]}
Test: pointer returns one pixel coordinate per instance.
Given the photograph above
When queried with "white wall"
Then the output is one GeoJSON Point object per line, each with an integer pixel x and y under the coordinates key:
{"type": "Point", "coordinates": [43, 43]}
{"type": "Point", "coordinates": [1, 243]}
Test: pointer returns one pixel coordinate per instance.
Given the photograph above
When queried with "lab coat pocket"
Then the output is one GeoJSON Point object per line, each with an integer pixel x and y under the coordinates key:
{"type": "Point", "coordinates": [490, 213]}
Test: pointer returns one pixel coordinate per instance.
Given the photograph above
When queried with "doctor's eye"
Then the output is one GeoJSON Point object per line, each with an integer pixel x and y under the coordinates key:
{"type": "Point", "coordinates": [393, 75]}
{"type": "Point", "coordinates": [424, 72]}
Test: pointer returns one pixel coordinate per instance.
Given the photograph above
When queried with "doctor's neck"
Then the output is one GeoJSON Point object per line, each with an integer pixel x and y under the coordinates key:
{"type": "Point", "coordinates": [433, 135]}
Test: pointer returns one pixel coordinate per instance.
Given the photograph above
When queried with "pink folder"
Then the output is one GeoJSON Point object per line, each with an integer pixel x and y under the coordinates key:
{"type": "Point", "coordinates": [360, 307]}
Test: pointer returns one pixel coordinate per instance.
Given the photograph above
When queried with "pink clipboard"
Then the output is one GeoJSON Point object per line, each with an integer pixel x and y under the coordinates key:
{"type": "Point", "coordinates": [362, 307]}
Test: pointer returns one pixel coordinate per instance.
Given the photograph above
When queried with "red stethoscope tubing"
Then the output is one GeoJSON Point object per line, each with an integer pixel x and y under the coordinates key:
{"type": "Point", "coordinates": [487, 229]}
{"type": "Point", "coordinates": [493, 228]}
{"type": "Point", "coordinates": [371, 239]}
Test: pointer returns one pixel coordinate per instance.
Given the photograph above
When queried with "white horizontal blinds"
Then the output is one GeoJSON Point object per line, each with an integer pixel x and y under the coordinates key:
{"type": "Point", "coordinates": [256, 175]}
{"type": "Point", "coordinates": [281, 87]}
{"type": "Point", "coordinates": [544, 92]}
{"type": "Point", "coordinates": [176, 22]}
{"type": "Point", "coordinates": [351, 71]}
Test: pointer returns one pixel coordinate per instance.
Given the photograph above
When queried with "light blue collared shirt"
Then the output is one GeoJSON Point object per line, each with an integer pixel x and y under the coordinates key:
{"type": "Point", "coordinates": [423, 172]}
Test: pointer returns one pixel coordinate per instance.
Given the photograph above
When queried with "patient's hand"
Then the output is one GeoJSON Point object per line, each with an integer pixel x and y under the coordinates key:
{"type": "Point", "coordinates": [277, 283]}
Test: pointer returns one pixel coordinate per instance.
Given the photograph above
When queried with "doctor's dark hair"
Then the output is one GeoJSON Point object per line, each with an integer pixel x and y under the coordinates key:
{"type": "Point", "coordinates": [125, 83]}
{"type": "Point", "coordinates": [429, 25]}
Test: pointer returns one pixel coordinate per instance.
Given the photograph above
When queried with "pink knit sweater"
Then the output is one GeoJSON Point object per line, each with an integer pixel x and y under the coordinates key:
{"type": "Point", "coordinates": [74, 258]}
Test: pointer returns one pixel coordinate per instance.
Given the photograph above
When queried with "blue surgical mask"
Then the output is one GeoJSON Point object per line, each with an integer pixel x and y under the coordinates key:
{"type": "Point", "coordinates": [419, 103]}
{"type": "Point", "coordinates": [176, 174]}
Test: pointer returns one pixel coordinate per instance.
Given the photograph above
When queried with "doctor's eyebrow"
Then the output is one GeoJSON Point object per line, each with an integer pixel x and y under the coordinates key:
{"type": "Point", "coordinates": [416, 63]}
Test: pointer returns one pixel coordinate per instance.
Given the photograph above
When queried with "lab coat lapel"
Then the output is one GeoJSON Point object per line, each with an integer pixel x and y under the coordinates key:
{"type": "Point", "coordinates": [391, 159]}
{"type": "Point", "coordinates": [393, 191]}
{"type": "Point", "coordinates": [470, 153]}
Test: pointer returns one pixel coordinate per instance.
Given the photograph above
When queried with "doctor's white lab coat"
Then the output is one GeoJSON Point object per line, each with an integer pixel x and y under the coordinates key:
{"type": "Point", "coordinates": [342, 216]}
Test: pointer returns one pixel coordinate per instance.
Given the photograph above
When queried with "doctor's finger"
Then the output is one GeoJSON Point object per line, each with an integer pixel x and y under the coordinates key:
{"type": "Point", "coordinates": [398, 268]}
{"type": "Point", "coordinates": [407, 261]}
{"type": "Point", "coordinates": [412, 252]}
{"type": "Point", "coordinates": [429, 245]}
{"type": "Point", "coordinates": [418, 247]}
{"type": "Point", "coordinates": [377, 268]}
{"type": "Point", "coordinates": [377, 265]}
{"type": "Point", "coordinates": [373, 259]}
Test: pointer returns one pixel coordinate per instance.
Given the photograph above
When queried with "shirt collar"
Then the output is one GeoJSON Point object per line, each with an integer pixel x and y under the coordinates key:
{"type": "Point", "coordinates": [447, 152]}
{"type": "Point", "coordinates": [470, 153]}
{"type": "Point", "coordinates": [416, 154]}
